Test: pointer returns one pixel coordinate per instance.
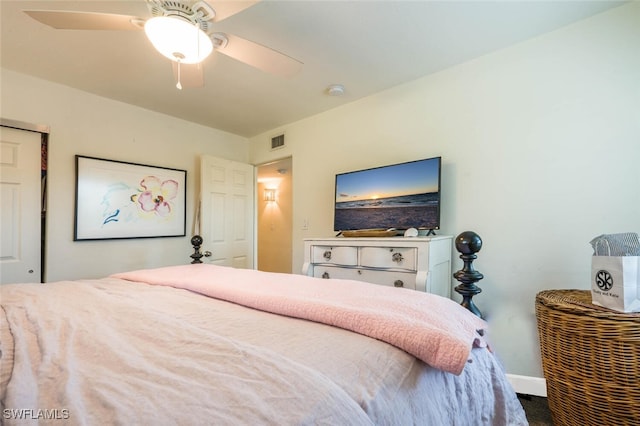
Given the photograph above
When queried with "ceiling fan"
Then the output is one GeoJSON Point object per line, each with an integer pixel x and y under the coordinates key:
{"type": "Point", "coordinates": [181, 30]}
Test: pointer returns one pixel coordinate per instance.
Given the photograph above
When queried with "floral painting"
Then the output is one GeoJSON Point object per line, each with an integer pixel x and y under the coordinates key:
{"type": "Point", "coordinates": [116, 199]}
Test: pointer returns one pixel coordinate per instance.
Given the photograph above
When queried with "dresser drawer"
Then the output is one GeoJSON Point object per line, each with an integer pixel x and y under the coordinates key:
{"type": "Point", "coordinates": [336, 272]}
{"type": "Point", "coordinates": [389, 257]}
{"type": "Point", "coordinates": [388, 278]}
{"type": "Point", "coordinates": [338, 255]}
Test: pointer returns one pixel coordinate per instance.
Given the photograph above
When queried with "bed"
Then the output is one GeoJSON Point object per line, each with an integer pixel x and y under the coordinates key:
{"type": "Point", "coordinates": [206, 344]}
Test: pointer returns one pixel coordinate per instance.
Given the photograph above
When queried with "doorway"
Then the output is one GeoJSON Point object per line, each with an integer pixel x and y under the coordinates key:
{"type": "Point", "coordinates": [275, 216]}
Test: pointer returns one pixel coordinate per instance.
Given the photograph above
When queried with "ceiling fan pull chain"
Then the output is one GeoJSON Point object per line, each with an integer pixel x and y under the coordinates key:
{"type": "Point", "coordinates": [178, 84]}
{"type": "Point", "coordinates": [178, 58]}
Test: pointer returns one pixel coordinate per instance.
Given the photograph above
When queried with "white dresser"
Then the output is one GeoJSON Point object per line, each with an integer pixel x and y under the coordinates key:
{"type": "Point", "coordinates": [418, 263]}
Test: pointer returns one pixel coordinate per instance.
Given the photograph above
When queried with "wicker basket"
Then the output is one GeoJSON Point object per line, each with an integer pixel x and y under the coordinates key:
{"type": "Point", "coordinates": [590, 358]}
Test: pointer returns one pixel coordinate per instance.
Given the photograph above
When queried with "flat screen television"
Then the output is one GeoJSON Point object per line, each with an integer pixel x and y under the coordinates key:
{"type": "Point", "coordinates": [400, 196]}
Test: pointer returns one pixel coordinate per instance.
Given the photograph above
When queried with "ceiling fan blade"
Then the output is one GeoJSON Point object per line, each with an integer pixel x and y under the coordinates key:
{"type": "Point", "coordinates": [259, 56]}
{"type": "Point", "coordinates": [226, 8]}
{"type": "Point", "coordinates": [191, 75]}
{"type": "Point", "coordinates": [71, 20]}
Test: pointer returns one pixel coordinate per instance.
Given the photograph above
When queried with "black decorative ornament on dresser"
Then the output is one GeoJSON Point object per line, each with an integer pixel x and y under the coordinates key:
{"type": "Point", "coordinates": [468, 244]}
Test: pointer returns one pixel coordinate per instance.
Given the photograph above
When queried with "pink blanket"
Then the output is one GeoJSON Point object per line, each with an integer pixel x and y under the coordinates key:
{"type": "Point", "coordinates": [434, 329]}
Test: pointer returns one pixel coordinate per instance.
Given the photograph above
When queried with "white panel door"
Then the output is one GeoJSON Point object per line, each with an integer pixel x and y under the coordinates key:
{"type": "Point", "coordinates": [227, 212]}
{"type": "Point", "coordinates": [20, 206]}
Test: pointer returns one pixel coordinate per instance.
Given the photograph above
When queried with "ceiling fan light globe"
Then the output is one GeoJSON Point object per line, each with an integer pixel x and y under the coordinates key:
{"type": "Point", "coordinates": [178, 40]}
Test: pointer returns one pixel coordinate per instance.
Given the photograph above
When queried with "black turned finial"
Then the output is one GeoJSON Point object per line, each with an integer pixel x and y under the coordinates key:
{"type": "Point", "coordinates": [468, 244]}
{"type": "Point", "coordinates": [196, 242]}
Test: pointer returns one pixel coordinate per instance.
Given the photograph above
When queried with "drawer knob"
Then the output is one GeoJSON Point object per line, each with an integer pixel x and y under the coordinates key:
{"type": "Point", "coordinates": [327, 255]}
{"type": "Point", "coordinates": [398, 283]}
{"type": "Point", "coordinates": [397, 257]}
{"type": "Point", "coordinates": [325, 275]}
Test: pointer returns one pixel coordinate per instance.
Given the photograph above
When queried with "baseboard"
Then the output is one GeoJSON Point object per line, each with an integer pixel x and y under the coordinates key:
{"type": "Point", "coordinates": [528, 385]}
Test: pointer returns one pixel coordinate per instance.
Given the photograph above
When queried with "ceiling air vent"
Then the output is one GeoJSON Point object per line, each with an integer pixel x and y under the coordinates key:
{"type": "Point", "coordinates": [277, 142]}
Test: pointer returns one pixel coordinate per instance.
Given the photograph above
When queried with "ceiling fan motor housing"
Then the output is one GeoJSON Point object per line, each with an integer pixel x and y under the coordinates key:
{"type": "Point", "coordinates": [198, 13]}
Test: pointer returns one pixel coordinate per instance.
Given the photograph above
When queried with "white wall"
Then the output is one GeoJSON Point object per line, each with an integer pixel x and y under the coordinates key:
{"type": "Point", "coordinates": [541, 151]}
{"type": "Point", "coordinates": [90, 125]}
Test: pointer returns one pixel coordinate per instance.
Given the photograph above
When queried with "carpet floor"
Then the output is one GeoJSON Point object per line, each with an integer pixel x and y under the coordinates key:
{"type": "Point", "coordinates": [536, 409]}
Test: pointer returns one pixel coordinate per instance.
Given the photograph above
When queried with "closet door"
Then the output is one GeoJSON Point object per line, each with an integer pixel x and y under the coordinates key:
{"type": "Point", "coordinates": [20, 210]}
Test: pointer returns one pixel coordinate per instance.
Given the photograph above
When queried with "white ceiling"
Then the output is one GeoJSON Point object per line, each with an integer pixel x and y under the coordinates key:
{"type": "Point", "coordinates": [367, 46]}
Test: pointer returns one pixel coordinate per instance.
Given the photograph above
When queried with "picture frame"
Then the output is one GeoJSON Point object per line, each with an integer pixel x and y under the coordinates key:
{"type": "Point", "coordinates": [122, 200]}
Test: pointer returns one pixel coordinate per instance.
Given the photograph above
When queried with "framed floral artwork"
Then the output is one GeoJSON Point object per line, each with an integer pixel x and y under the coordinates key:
{"type": "Point", "coordinates": [116, 199]}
